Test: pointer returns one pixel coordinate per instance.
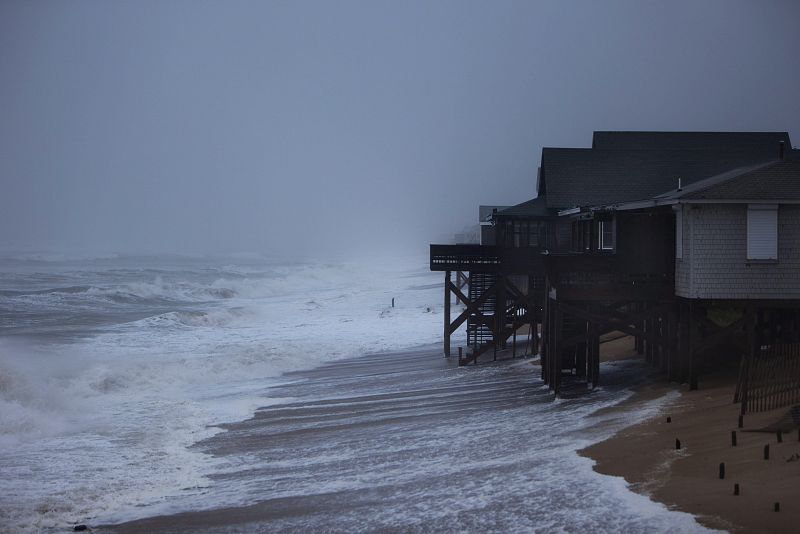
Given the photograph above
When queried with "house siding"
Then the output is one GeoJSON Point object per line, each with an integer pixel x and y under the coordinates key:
{"type": "Point", "coordinates": [683, 265]}
{"type": "Point", "coordinates": [715, 264]}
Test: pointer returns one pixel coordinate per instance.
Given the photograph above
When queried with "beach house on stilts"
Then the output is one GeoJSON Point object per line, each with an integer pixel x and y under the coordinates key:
{"type": "Point", "coordinates": [684, 240]}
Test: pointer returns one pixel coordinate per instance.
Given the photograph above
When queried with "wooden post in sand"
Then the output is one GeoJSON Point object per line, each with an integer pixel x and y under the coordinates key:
{"type": "Point", "coordinates": [672, 344]}
{"type": "Point", "coordinates": [447, 314]}
{"type": "Point", "coordinates": [544, 348]}
{"type": "Point", "coordinates": [648, 345]}
{"type": "Point", "coordinates": [557, 363]}
{"type": "Point", "coordinates": [694, 335]}
{"type": "Point", "coordinates": [682, 356]}
{"type": "Point", "coordinates": [581, 350]}
{"type": "Point", "coordinates": [594, 356]}
{"type": "Point", "coordinates": [752, 352]}
{"type": "Point", "coordinates": [639, 340]}
{"type": "Point", "coordinates": [514, 341]}
{"type": "Point", "coordinates": [500, 314]}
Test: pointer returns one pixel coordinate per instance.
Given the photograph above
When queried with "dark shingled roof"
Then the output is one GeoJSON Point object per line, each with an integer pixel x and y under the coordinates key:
{"type": "Point", "coordinates": [689, 140]}
{"type": "Point", "coordinates": [772, 182]}
{"type": "Point", "coordinates": [536, 207]}
{"type": "Point", "coordinates": [572, 177]}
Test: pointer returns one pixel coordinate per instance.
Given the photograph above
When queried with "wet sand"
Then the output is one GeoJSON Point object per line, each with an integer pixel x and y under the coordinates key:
{"type": "Point", "coordinates": [688, 479]}
{"type": "Point", "coordinates": [411, 442]}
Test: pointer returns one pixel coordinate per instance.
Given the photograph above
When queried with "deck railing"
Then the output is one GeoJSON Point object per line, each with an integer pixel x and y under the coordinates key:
{"type": "Point", "coordinates": [464, 258]}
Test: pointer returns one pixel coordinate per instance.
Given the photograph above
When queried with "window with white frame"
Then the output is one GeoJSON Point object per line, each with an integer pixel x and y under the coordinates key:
{"type": "Point", "coordinates": [605, 234]}
{"type": "Point", "coordinates": [762, 232]}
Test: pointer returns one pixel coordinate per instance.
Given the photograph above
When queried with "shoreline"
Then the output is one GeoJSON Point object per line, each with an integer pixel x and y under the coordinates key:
{"type": "Point", "coordinates": [688, 479]}
{"type": "Point", "coordinates": [416, 418]}
{"type": "Point", "coordinates": [643, 454]}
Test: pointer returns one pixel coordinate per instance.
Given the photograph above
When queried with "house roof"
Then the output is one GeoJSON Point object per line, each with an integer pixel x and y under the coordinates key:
{"type": "Point", "coordinates": [536, 207]}
{"type": "Point", "coordinates": [572, 177]}
{"type": "Point", "coordinates": [773, 182]}
{"type": "Point", "coordinates": [689, 140]}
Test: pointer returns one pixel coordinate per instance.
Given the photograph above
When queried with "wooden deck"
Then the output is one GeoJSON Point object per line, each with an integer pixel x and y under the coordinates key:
{"type": "Point", "coordinates": [472, 258]}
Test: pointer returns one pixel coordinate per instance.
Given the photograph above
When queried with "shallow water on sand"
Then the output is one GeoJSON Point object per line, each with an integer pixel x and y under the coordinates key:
{"type": "Point", "coordinates": [411, 442]}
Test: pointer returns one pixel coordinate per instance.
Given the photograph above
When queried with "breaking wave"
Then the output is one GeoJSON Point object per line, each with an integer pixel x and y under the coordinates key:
{"type": "Point", "coordinates": [151, 359]}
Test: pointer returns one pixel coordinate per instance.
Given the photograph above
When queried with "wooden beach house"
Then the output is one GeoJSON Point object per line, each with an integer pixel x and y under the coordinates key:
{"type": "Point", "coordinates": [655, 234]}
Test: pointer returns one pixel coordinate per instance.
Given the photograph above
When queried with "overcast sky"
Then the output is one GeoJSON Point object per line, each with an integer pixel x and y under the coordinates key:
{"type": "Point", "coordinates": [305, 127]}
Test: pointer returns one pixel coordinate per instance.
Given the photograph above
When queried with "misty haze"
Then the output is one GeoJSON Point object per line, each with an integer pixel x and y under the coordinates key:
{"type": "Point", "coordinates": [394, 266]}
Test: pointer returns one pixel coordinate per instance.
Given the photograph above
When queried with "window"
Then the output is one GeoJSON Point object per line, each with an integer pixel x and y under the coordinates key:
{"type": "Point", "coordinates": [605, 232]}
{"type": "Point", "coordinates": [679, 233]}
{"type": "Point", "coordinates": [762, 232]}
{"type": "Point", "coordinates": [533, 236]}
{"type": "Point", "coordinates": [508, 234]}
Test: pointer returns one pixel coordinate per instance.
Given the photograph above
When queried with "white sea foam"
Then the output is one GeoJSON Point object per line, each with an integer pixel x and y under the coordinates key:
{"type": "Point", "coordinates": [100, 427]}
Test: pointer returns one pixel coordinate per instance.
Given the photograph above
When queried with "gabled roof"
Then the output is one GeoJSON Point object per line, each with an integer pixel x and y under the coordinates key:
{"type": "Point", "coordinates": [689, 140]}
{"type": "Point", "coordinates": [573, 177]}
{"type": "Point", "coordinates": [536, 207]}
{"type": "Point", "coordinates": [773, 182]}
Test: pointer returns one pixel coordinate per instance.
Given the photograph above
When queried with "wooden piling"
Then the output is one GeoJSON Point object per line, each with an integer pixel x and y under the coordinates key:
{"type": "Point", "coordinates": [447, 314]}
{"type": "Point", "coordinates": [514, 342]}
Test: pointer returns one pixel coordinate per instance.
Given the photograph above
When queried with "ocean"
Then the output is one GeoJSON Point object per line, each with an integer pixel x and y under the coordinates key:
{"type": "Point", "coordinates": [128, 388]}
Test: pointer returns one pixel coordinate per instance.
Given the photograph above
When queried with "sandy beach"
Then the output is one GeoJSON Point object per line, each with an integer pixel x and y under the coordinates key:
{"type": "Point", "coordinates": [688, 479]}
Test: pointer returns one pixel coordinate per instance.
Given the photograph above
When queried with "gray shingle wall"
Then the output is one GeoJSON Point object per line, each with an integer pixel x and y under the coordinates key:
{"type": "Point", "coordinates": [715, 256]}
{"type": "Point", "coordinates": [682, 266]}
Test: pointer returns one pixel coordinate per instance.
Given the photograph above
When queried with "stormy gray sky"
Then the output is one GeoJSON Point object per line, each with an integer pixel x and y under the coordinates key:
{"type": "Point", "coordinates": [304, 127]}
